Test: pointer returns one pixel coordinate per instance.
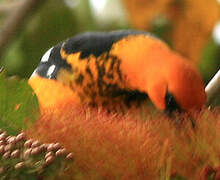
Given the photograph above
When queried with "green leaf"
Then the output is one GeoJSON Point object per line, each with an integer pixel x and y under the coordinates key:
{"type": "Point", "coordinates": [18, 104]}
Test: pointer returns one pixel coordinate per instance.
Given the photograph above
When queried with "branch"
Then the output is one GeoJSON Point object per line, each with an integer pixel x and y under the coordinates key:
{"type": "Point", "coordinates": [16, 20]}
{"type": "Point", "coordinates": [213, 88]}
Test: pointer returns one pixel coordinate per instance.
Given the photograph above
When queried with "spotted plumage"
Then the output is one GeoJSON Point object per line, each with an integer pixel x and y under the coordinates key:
{"type": "Point", "coordinates": [85, 64]}
{"type": "Point", "coordinates": [122, 69]}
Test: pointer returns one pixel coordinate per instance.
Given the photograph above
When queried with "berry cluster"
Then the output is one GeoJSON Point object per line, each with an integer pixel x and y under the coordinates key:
{"type": "Point", "coordinates": [25, 158]}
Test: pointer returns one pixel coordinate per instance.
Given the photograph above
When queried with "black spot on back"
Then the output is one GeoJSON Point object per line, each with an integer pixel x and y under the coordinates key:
{"type": "Point", "coordinates": [96, 43]}
{"type": "Point", "coordinates": [131, 97]}
{"type": "Point", "coordinates": [89, 72]}
{"type": "Point", "coordinates": [135, 96]}
{"type": "Point", "coordinates": [79, 80]}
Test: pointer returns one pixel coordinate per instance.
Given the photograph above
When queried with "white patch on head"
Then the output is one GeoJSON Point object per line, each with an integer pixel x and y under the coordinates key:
{"type": "Point", "coordinates": [50, 70]}
{"type": "Point", "coordinates": [46, 56]}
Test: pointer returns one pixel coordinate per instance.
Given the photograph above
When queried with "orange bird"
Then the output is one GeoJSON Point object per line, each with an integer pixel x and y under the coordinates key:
{"type": "Point", "coordinates": [117, 69]}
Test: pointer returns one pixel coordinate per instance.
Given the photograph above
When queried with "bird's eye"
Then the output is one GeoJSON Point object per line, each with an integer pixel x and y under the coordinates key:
{"type": "Point", "coordinates": [171, 104]}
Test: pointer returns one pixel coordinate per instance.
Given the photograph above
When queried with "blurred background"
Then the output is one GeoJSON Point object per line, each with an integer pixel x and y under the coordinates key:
{"type": "Point", "coordinates": [29, 27]}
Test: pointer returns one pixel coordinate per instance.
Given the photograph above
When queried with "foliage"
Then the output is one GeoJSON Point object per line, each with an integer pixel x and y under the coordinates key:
{"type": "Point", "coordinates": [20, 157]}
{"type": "Point", "coordinates": [54, 23]}
{"type": "Point", "coordinates": [191, 21]}
{"type": "Point", "coordinates": [210, 60]}
{"type": "Point", "coordinates": [136, 145]}
{"type": "Point", "coordinates": [18, 106]}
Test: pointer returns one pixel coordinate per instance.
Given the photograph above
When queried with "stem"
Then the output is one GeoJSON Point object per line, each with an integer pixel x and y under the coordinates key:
{"type": "Point", "coordinates": [213, 88]}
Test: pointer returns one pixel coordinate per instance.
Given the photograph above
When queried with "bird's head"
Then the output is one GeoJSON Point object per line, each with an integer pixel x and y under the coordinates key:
{"type": "Point", "coordinates": [176, 85]}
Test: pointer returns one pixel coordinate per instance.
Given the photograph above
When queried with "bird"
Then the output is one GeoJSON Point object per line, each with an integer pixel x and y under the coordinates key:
{"type": "Point", "coordinates": [118, 69]}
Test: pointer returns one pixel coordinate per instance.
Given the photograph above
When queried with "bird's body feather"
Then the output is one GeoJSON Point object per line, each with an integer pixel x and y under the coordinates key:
{"type": "Point", "coordinates": [121, 68]}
